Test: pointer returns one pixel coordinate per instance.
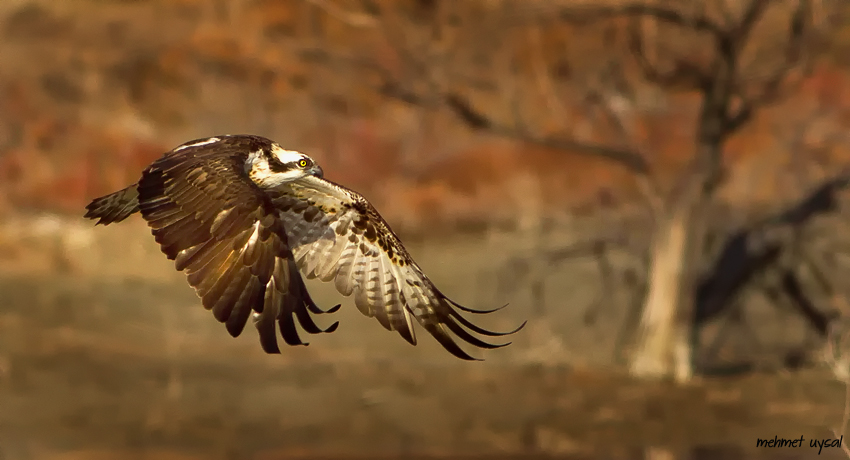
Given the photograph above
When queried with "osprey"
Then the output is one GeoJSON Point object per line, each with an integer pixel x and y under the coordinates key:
{"type": "Point", "coordinates": [241, 215]}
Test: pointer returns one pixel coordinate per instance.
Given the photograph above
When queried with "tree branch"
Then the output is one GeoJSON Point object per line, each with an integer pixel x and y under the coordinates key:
{"type": "Point", "coordinates": [699, 22]}
{"type": "Point", "coordinates": [632, 160]}
{"type": "Point", "coordinates": [738, 118]}
{"type": "Point", "coordinates": [753, 12]}
{"type": "Point", "coordinates": [770, 88]}
{"type": "Point", "coordinates": [683, 75]}
{"type": "Point", "coordinates": [544, 82]}
{"type": "Point", "coordinates": [350, 18]}
{"type": "Point", "coordinates": [646, 186]}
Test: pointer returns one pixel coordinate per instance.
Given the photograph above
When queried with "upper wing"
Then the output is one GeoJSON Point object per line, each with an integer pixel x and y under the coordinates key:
{"type": "Point", "coordinates": [337, 235]}
{"type": "Point", "coordinates": [220, 228]}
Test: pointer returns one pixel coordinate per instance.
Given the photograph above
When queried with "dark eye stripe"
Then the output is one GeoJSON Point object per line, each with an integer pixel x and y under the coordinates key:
{"type": "Point", "coordinates": [278, 167]}
{"type": "Point", "coordinates": [275, 165]}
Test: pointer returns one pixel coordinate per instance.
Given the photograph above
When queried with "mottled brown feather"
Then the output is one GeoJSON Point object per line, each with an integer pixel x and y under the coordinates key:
{"type": "Point", "coordinates": [182, 196]}
{"type": "Point", "coordinates": [114, 207]}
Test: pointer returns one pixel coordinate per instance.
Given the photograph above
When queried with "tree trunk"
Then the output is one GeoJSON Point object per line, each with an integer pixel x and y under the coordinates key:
{"type": "Point", "coordinates": [666, 335]}
{"type": "Point", "coordinates": [657, 332]}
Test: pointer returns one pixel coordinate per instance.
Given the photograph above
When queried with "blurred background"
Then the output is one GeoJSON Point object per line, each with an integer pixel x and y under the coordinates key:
{"type": "Point", "coordinates": [541, 153]}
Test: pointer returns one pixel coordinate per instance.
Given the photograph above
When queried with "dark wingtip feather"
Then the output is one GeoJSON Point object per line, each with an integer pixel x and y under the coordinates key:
{"type": "Point", "coordinates": [469, 338]}
{"type": "Point", "coordinates": [472, 310]}
{"type": "Point", "coordinates": [265, 324]}
{"type": "Point", "coordinates": [487, 332]}
{"type": "Point", "coordinates": [308, 300]}
{"type": "Point", "coordinates": [288, 331]}
{"type": "Point", "coordinates": [268, 336]}
{"type": "Point", "coordinates": [518, 328]}
{"type": "Point", "coordinates": [408, 334]}
{"type": "Point", "coordinates": [437, 330]}
{"type": "Point", "coordinates": [464, 356]}
{"type": "Point", "coordinates": [477, 329]}
{"type": "Point", "coordinates": [309, 325]}
{"type": "Point", "coordinates": [315, 309]}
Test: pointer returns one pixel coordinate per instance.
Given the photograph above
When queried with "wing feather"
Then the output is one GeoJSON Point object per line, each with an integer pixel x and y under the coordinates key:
{"type": "Point", "coordinates": [227, 291]}
{"type": "Point", "coordinates": [375, 296]}
{"type": "Point", "coordinates": [337, 235]}
{"type": "Point", "coordinates": [251, 295]}
{"type": "Point", "coordinates": [222, 231]}
{"type": "Point", "coordinates": [344, 281]}
{"type": "Point", "coordinates": [361, 298]}
{"type": "Point", "coordinates": [114, 207]}
{"type": "Point", "coordinates": [329, 264]}
{"type": "Point", "coordinates": [399, 317]}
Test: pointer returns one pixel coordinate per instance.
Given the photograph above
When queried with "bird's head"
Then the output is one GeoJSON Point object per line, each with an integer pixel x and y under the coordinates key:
{"type": "Point", "coordinates": [272, 166]}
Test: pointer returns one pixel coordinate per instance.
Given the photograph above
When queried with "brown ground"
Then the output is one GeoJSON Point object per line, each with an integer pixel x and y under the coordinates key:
{"type": "Point", "coordinates": [103, 362]}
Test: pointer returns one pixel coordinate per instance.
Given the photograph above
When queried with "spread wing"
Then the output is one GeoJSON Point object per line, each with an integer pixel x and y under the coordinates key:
{"type": "Point", "coordinates": [221, 229]}
{"type": "Point", "coordinates": [337, 235]}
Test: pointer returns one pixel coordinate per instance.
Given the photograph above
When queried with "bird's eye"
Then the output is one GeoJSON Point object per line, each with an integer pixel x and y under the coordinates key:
{"type": "Point", "coordinates": [302, 163]}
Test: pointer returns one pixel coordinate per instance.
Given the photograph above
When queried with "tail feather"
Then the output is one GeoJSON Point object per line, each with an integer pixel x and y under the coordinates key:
{"type": "Point", "coordinates": [114, 207]}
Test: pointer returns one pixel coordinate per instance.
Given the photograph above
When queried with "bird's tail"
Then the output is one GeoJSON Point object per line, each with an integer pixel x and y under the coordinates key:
{"type": "Point", "coordinates": [114, 207]}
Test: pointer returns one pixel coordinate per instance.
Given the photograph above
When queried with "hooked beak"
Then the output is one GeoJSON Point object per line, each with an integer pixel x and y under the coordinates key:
{"type": "Point", "coordinates": [317, 171]}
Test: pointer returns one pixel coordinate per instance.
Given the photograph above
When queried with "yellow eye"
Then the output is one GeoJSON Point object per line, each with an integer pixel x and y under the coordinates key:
{"type": "Point", "coordinates": [302, 163]}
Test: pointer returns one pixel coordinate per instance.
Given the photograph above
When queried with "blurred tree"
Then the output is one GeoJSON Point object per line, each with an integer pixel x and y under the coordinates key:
{"type": "Point", "coordinates": [736, 72]}
{"type": "Point", "coordinates": [735, 56]}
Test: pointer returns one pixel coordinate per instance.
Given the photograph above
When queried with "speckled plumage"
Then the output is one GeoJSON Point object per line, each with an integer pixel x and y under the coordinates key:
{"type": "Point", "coordinates": [219, 208]}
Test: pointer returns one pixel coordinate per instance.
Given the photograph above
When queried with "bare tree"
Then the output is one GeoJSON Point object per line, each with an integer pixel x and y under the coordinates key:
{"type": "Point", "coordinates": [736, 72]}
{"type": "Point", "coordinates": [738, 56]}
{"type": "Point", "coordinates": [733, 85]}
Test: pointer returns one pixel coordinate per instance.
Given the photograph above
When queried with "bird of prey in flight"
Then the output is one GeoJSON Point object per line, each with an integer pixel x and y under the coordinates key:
{"type": "Point", "coordinates": [241, 215]}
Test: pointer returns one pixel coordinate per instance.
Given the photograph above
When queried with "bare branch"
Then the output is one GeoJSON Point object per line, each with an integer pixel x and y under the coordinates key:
{"type": "Point", "coordinates": [606, 273]}
{"type": "Point", "coordinates": [698, 21]}
{"type": "Point", "coordinates": [473, 119]}
{"type": "Point", "coordinates": [737, 119]}
{"type": "Point", "coordinates": [541, 73]}
{"type": "Point", "coordinates": [632, 160]}
{"type": "Point", "coordinates": [646, 187]}
{"type": "Point", "coordinates": [683, 75]}
{"type": "Point", "coordinates": [752, 13]}
{"type": "Point", "coordinates": [348, 17]}
{"type": "Point", "coordinates": [774, 87]}
{"type": "Point", "coordinates": [725, 10]}
{"type": "Point", "coordinates": [592, 248]}
{"type": "Point", "coordinates": [388, 85]}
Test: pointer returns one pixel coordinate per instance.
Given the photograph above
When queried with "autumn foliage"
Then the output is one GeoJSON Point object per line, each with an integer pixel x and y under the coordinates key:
{"type": "Point", "coordinates": [117, 84]}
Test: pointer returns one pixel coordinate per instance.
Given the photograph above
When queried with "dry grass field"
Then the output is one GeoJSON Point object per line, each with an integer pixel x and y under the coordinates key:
{"type": "Point", "coordinates": [105, 353]}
